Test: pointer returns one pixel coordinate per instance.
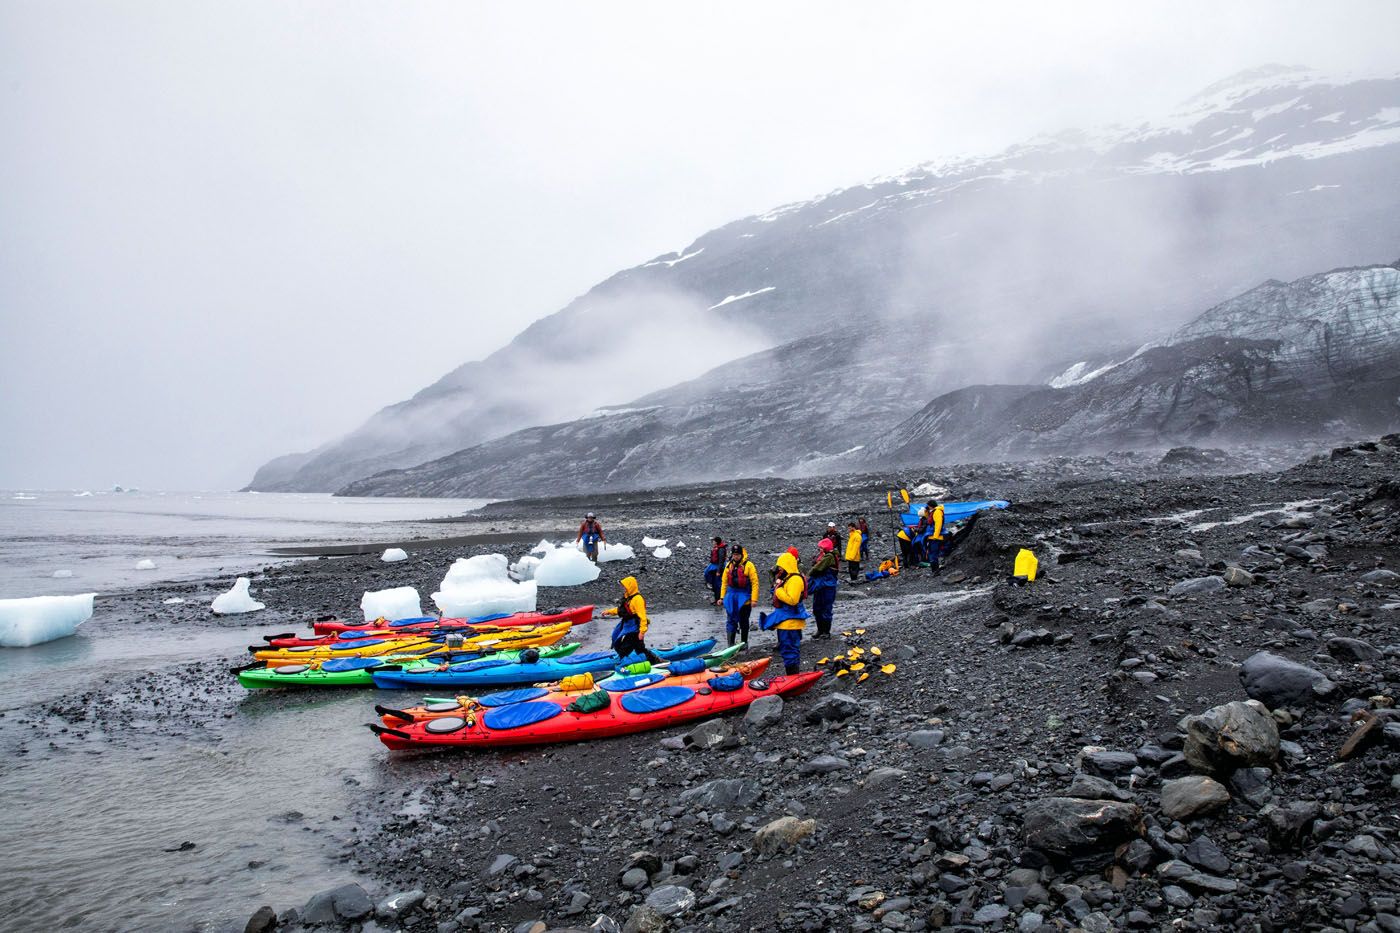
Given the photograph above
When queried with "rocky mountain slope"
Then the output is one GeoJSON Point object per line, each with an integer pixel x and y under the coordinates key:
{"type": "Point", "coordinates": [987, 270]}
{"type": "Point", "coordinates": [1307, 358]}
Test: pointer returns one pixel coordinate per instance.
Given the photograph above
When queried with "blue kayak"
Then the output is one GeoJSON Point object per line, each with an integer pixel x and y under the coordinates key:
{"type": "Point", "coordinates": [503, 673]}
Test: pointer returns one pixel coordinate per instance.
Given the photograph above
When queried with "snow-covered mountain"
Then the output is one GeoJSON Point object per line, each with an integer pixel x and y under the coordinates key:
{"type": "Point", "coordinates": [783, 340]}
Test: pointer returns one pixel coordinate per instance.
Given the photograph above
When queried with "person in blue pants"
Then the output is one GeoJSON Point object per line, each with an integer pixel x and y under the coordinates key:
{"type": "Point", "coordinates": [738, 592]}
{"type": "Point", "coordinates": [823, 577]}
{"type": "Point", "coordinates": [590, 532]}
{"type": "Point", "coordinates": [789, 616]}
{"type": "Point", "coordinates": [715, 568]}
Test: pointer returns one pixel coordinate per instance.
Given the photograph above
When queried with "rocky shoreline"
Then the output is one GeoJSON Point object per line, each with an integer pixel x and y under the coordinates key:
{"type": "Point", "coordinates": [1187, 723]}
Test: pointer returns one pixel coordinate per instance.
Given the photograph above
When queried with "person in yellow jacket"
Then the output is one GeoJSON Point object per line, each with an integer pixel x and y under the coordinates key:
{"type": "Point", "coordinates": [738, 592]}
{"type": "Point", "coordinates": [788, 615]}
{"type": "Point", "coordinates": [933, 529]}
{"type": "Point", "coordinates": [629, 635]}
{"type": "Point", "coordinates": [853, 541]}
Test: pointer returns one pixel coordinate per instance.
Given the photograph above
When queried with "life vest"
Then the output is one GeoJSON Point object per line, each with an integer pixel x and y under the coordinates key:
{"type": "Point", "coordinates": [717, 554]}
{"type": "Point", "coordinates": [738, 579]}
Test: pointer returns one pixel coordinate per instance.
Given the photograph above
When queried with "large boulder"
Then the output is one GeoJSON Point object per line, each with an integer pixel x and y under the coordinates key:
{"type": "Point", "coordinates": [1192, 796]}
{"type": "Point", "coordinates": [1241, 734]}
{"type": "Point", "coordinates": [1069, 825]}
{"type": "Point", "coordinates": [764, 712]}
{"type": "Point", "coordinates": [1353, 650]}
{"type": "Point", "coordinates": [1277, 681]}
{"type": "Point", "coordinates": [347, 902]}
{"type": "Point", "coordinates": [833, 707]}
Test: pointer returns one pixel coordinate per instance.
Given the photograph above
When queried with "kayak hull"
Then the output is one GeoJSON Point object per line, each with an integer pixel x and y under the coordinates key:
{"type": "Point", "coordinates": [576, 615]}
{"type": "Point", "coordinates": [511, 675]}
{"type": "Point", "coordinates": [522, 637]}
{"type": "Point", "coordinates": [289, 676]}
{"type": "Point", "coordinates": [569, 726]}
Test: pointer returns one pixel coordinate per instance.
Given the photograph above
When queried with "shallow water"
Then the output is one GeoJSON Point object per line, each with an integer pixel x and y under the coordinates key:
{"type": "Point", "coordinates": [91, 815]}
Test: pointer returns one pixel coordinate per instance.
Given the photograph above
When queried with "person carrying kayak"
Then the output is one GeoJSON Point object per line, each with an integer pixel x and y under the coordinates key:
{"type": "Point", "coordinates": [788, 615]}
{"type": "Point", "coordinates": [715, 569]}
{"type": "Point", "coordinates": [853, 543]}
{"type": "Point", "coordinates": [629, 635]}
{"type": "Point", "coordinates": [738, 589]}
{"type": "Point", "coordinates": [823, 583]}
{"type": "Point", "coordinates": [590, 533]}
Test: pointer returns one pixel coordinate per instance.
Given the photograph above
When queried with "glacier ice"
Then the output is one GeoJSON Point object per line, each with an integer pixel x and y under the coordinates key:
{"type": "Point", "coordinates": [481, 585]}
{"type": "Point", "coordinates": [680, 544]}
{"type": "Point", "coordinates": [62, 574]}
{"type": "Point", "coordinates": [607, 552]}
{"type": "Point", "coordinates": [145, 563]}
{"type": "Point", "coordinates": [930, 491]}
{"type": "Point", "coordinates": [236, 600]}
{"type": "Point", "coordinates": [565, 566]}
{"type": "Point", "coordinates": [37, 619]}
{"type": "Point", "coordinates": [662, 552]}
{"type": "Point", "coordinates": [401, 602]}
{"type": "Point", "coordinates": [393, 555]}
{"type": "Point", "coordinates": [653, 542]}
{"type": "Point", "coordinates": [174, 600]}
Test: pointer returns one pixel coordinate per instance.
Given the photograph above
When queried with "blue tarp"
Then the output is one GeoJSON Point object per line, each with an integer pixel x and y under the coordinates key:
{"type": "Point", "coordinates": [655, 699]}
{"type": "Point", "coordinates": [521, 714]}
{"type": "Point", "coordinates": [952, 511]}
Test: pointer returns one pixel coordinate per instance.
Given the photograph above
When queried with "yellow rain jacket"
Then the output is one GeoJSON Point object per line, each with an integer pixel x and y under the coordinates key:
{"type": "Point", "coordinates": [634, 602]}
{"type": "Point", "coordinates": [791, 590]}
{"type": "Point", "coordinates": [853, 545]}
{"type": "Point", "coordinates": [749, 571]}
{"type": "Point", "coordinates": [936, 524]}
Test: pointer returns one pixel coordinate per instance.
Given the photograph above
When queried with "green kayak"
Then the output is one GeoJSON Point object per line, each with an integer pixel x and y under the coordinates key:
{"type": "Point", "coordinates": [359, 672]}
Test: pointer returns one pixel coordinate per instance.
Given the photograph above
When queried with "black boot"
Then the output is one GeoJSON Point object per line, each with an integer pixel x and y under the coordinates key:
{"type": "Point", "coordinates": [731, 639]}
{"type": "Point", "coordinates": [790, 669]}
{"type": "Point", "coordinates": [744, 632]}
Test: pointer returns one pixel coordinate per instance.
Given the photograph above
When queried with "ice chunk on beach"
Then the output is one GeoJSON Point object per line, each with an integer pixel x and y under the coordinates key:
{"type": "Point", "coordinates": [174, 600]}
{"type": "Point", "coordinates": [680, 544]}
{"type": "Point", "coordinates": [37, 619]}
{"type": "Point", "coordinates": [662, 552]}
{"type": "Point", "coordinates": [481, 585]}
{"type": "Point", "coordinates": [236, 600]}
{"type": "Point", "coordinates": [607, 552]}
{"type": "Point", "coordinates": [62, 574]}
{"type": "Point", "coordinates": [653, 542]}
{"type": "Point", "coordinates": [145, 563]}
{"type": "Point", "coordinates": [930, 491]}
{"type": "Point", "coordinates": [393, 555]}
{"type": "Point", "coordinates": [565, 567]}
{"type": "Point", "coordinates": [401, 602]}
{"type": "Point", "coordinates": [544, 547]}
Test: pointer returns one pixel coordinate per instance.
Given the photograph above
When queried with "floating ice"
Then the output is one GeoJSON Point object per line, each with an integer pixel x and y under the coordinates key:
{"type": "Point", "coordinates": [661, 552]}
{"type": "Point", "coordinates": [607, 552]}
{"type": "Point", "coordinates": [145, 563]}
{"type": "Point", "coordinates": [62, 574]}
{"type": "Point", "coordinates": [393, 554]}
{"type": "Point", "coordinates": [481, 585]}
{"type": "Point", "coordinates": [565, 567]}
{"type": "Point", "coordinates": [82, 495]}
{"type": "Point", "coordinates": [174, 600]}
{"type": "Point", "coordinates": [236, 600]}
{"type": "Point", "coordinates": [37, 619]}
{"type": "Point", "coordinates": [930, 491]}
{"type": "Point", "coordinates": [653, 542]}
{"type": "Point", "coordinates": [23, 497]}
{"type": "Point", "coordinates": [402, 602]}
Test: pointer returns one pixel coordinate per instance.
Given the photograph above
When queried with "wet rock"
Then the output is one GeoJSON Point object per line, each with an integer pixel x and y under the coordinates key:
{"type": "Point", "coordinates": [1233, 735]}
{"type": "Point", "coordinates": [1027, 638]}
{"type": "Point", "coordinates": [1205, 854]}
{"type": "Point", "coordinates": [925, 738]}
{"type": "Point", "coordinates": [396, 905]}
{"type": "Point", "coordinates": [823, 764]}
{"type": "Point", "coordinates": [500, 865]}
{"type": "Point", "coordinates": [882, 776]}
{"type": "Point", "coordinates": [644, 919]}
{"type": "Point", "coordinates": [1109, 762]}
{"type": "Point", "coordinates": [1277, 681]}
{"type": "Point", "coordinates": [1381, 577]}
{"type": "Point", "coordinates": [633, 879]}
{"type": "Point", "coordinates": [263, 920]}
{"type": "Point", "coordinates": [1353, 650]}
{"type": "Point", "coordinates": [347, 902]}
{"type": "Point", "coordinates": [1252, 785]}
{"type": "Point", "coordinates": [1237, 577]}
{"type": "Point", "coordinates": [646, 860]}
{"type": "Point", "coordinates": [1197, 586]}
{"type": "Point", "coordinates": [1069, 825]}
{"type": "Point", "coordinates": [1189, 797]}
{"type": "Point", "coordinates": [833, 707]}
{"type": "Point", "coordinates": [766, 711]}
{"type": "Point", "coordinates": [1179, 872]}
{"type": "Point", "coordinates": [1287, 826]}
{"type": "Point", "coordinates": [722, 793]}
{"type": "Point", "coordinates": [782, 834]}
{"type": "Point", "coordinates": [671, 900]}
{"type": "Point", "coordinates": [708, 734]}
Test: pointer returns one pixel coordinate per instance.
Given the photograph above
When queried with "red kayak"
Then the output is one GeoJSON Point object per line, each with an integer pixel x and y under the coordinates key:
{"type": "Point", "coordinates": [540, 722]}
{"type": "Point", "coordinates": [577, 615]}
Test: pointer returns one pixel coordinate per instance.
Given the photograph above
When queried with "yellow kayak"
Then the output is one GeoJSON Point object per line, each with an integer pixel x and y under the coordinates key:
{"type": "Point", "coordinates": [502, 639]}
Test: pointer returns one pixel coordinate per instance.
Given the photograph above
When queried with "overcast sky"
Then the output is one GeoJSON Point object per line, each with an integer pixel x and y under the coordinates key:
{"type": "Point", "coordinates": [231, 230]}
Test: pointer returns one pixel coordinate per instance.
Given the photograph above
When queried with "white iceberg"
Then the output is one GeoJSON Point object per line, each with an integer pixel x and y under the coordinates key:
{"type": "Point", "coordinates": [544, 547]}
{"type": "Point", "coordinates": [662, 552]}
{"type": "Point", "coordinates": [145, 563]}
{"type": "Point", "coordinates": [174, 600]}
{"type": "Point", "coordinates": [37, 619]}
{"type": "Point", "coordinates": [607, 552]}
{"type": "Point", "coordinates": [23, 498]}
{"type": "Point", "coordinates": [82, 495]}
{"type": "Point", "coordinates": [393, 555]}
{"type": "Point", "coordinates": [524, 569]}
{"type": "Point", "coordinates": [401, 602]}
{"type": "Point", "coordinates": [930, 491]}
{"type": "Point", "coordinates": [481, 585]}
{"type": "Point", "coordinates": [565, 566]}
{"type": "Point", "coordinates": [62, 574]}
{"type": "Point", "coordinates": [236, 600]}
{"type": "Point", "coordinates": [653, 542]}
